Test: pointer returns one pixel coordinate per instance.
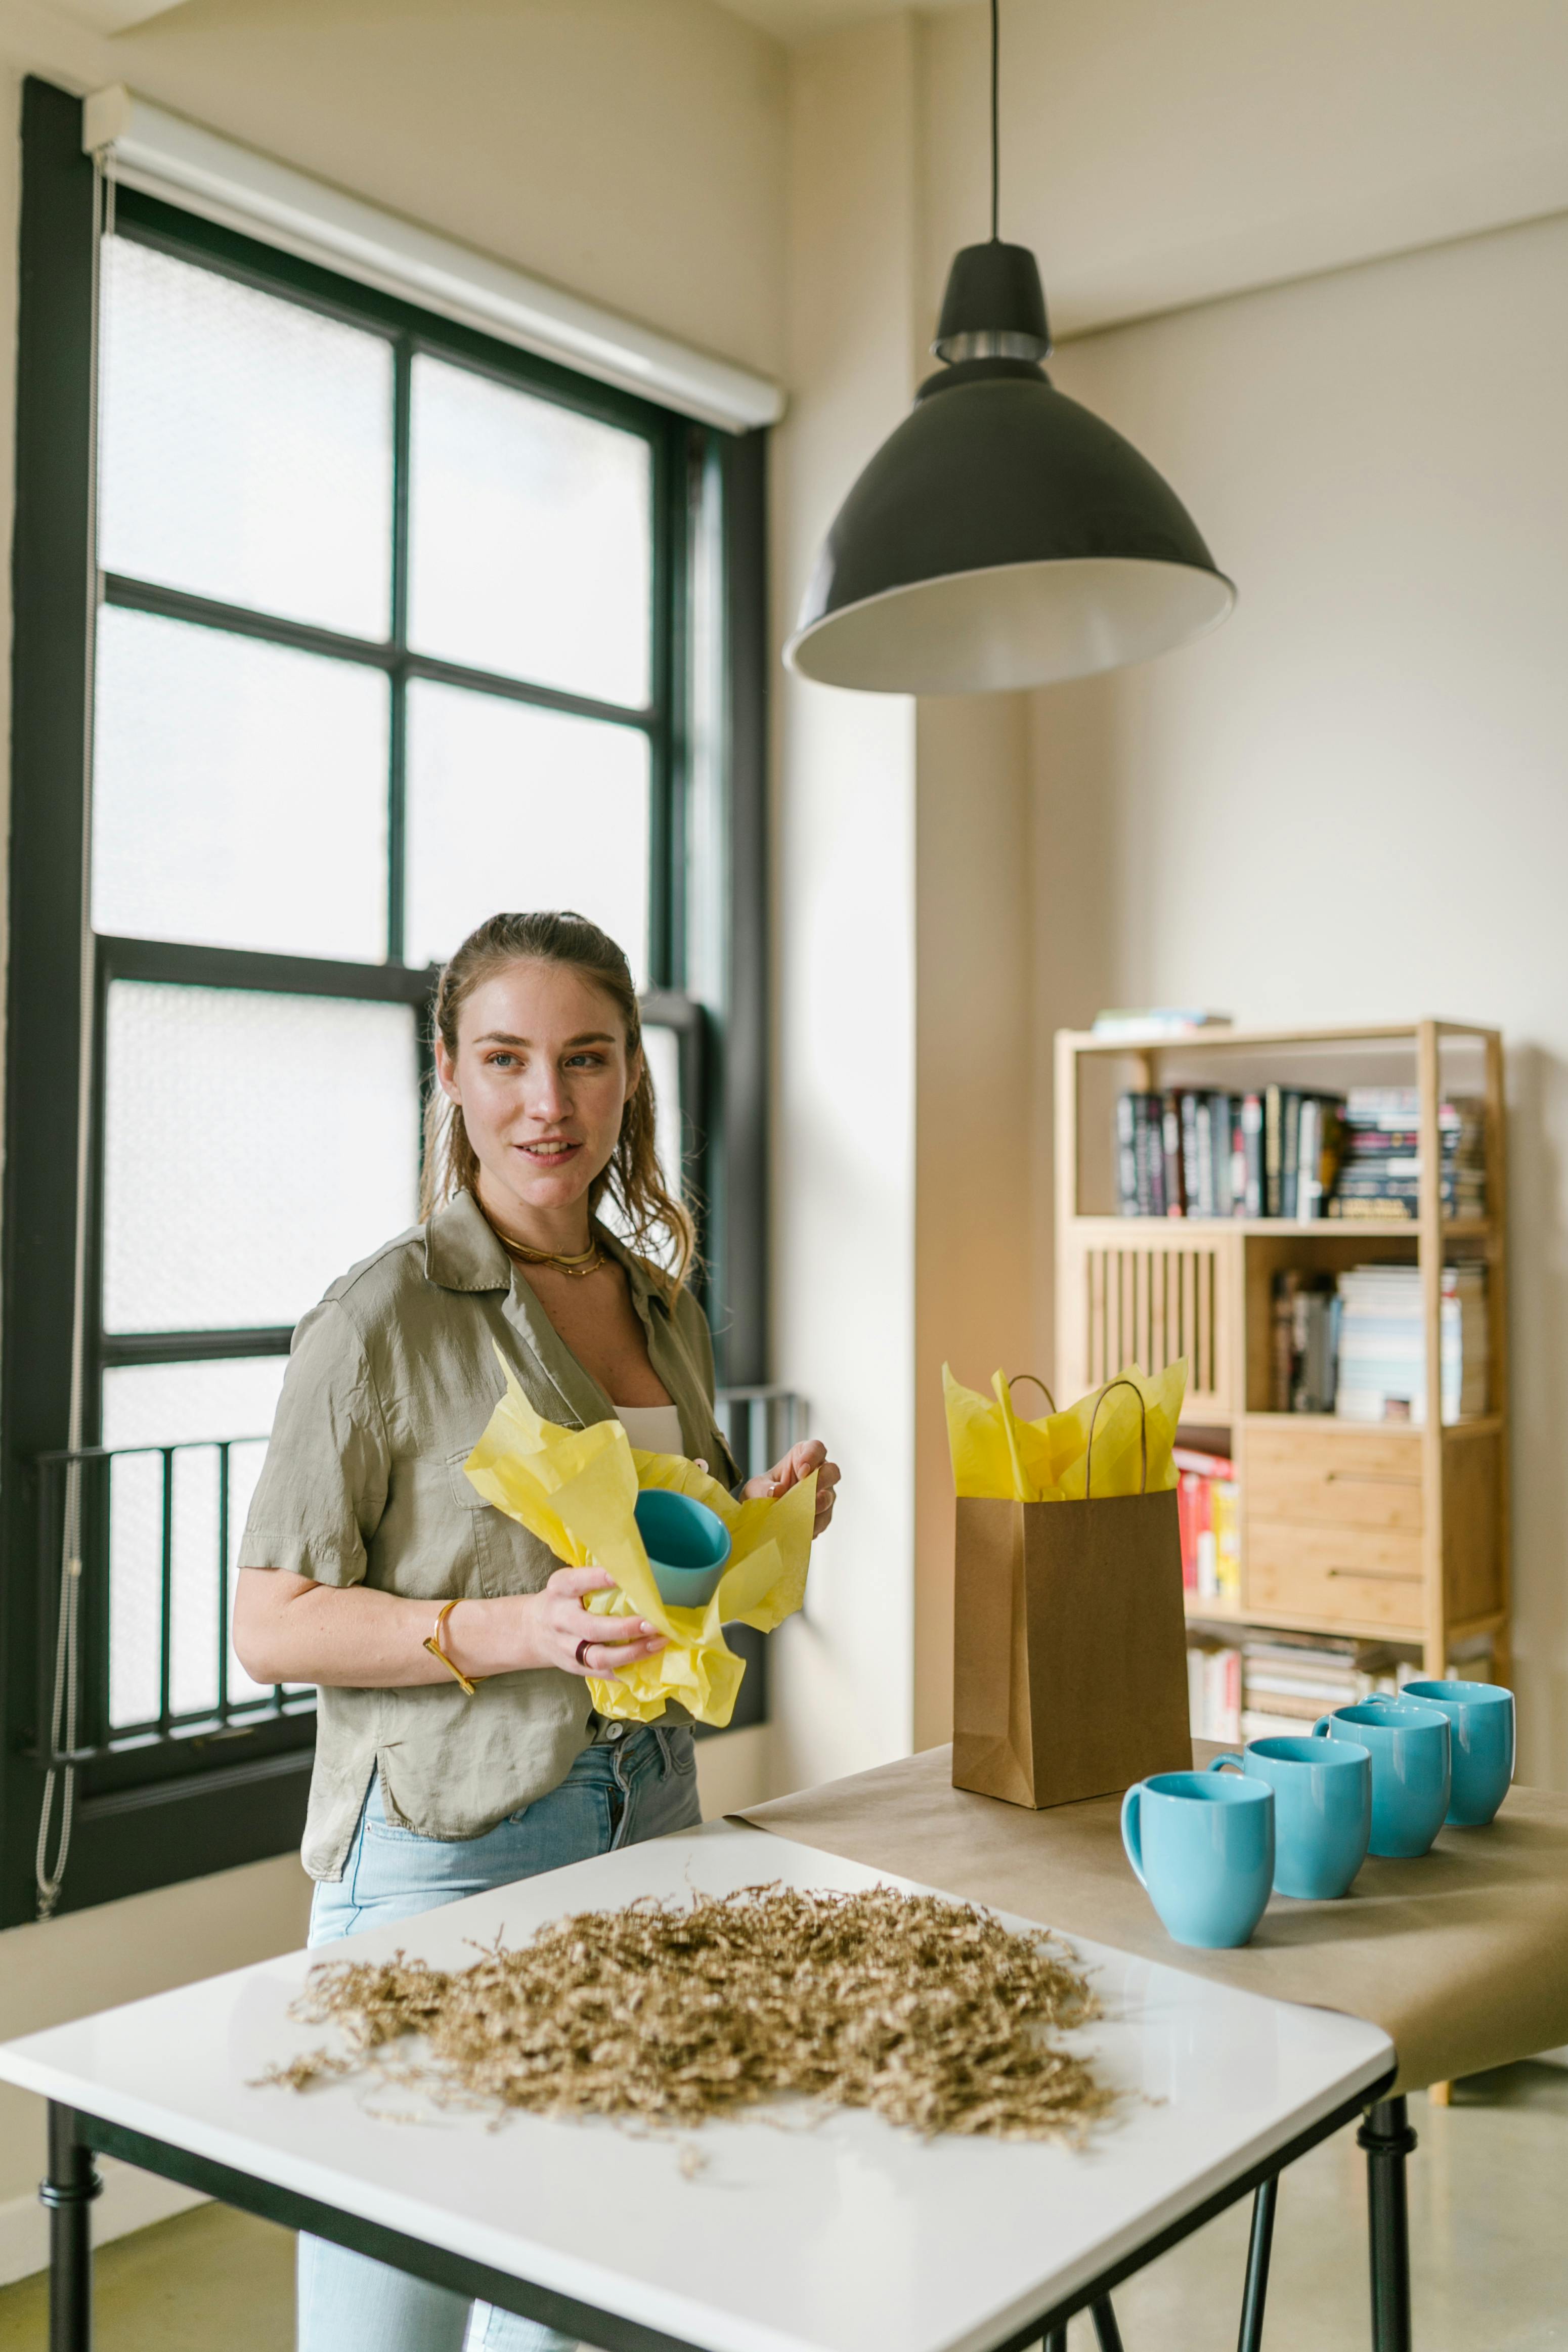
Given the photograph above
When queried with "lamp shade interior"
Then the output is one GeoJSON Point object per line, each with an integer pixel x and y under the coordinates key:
{"type": "Point", "coordinates": [1012, 625]}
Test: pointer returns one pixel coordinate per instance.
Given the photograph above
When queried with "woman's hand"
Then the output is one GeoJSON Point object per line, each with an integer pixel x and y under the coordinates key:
{"type": "Point", "coordinates": [799, 1463]}
{"type": "Point", "coordinates": [545, 1628]}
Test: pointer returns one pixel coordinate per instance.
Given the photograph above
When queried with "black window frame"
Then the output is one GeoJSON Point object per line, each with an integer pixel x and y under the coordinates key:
{"type": "Point", "coordinates": [171, 1806]}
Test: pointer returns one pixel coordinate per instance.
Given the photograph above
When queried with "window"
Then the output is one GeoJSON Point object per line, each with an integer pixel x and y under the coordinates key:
{"type": "Point", "coordinates": [392, 623]}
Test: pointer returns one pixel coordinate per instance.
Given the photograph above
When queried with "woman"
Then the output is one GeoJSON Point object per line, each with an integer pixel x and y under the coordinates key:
{"type": "Point", "coordinates": [455, 1748]}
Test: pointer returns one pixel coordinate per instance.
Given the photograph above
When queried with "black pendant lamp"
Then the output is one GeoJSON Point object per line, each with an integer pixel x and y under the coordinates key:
{"type": "Point", "coordinates": [1003, 537]}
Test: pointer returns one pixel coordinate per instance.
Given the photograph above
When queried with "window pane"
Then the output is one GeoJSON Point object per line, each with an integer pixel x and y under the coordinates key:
{"type": "Point", "coordinates": [217, 757]}
{"type": "Point", "coordinates": [530, 537]}
{"type": "Point", "coordinates": [246, 445]}
{"type": "Point", "coordinates": [256, 1146]}
{"type": "Point", "coordinates": [662, 1048]}
{"type": "Point", "coordinates": [509, 807]}
{"type": "Point", "coordinates": [170, 1404]}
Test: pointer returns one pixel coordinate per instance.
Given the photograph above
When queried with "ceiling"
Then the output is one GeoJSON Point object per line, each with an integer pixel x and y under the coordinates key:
{"type": "Point", "coordinates": [1159, 153]}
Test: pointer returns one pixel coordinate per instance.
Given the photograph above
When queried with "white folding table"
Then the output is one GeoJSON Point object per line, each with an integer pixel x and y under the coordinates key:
{"type": "Point", "coordinates": [793, 2235]}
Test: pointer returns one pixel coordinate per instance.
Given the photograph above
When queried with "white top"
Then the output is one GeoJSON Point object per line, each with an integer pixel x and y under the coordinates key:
{"type": "Point", "coordinates": [652, 1428]}
{"type": "Point", "coordinates": [846, 2237]}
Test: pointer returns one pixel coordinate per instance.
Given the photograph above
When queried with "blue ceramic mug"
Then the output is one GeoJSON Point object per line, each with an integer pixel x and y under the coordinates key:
{"type": "Point", "coordinates": [688, 1546]}
{"type": "Point", "coordinates": [1322, 1810]}
{"type": "Point", "coordinates": [1409, 1746]}
{"type": "Point", "coordinates": [1204, 1849]}
{"type": "Point", "coordinates": [1481, 1726]}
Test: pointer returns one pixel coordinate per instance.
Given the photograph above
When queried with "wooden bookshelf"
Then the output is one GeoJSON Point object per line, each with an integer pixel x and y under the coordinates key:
{"type": "Point", "coordinates": [1389, 1531]}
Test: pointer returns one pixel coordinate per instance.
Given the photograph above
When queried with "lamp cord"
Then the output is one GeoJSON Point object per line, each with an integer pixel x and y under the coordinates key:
{"type": "Point", "coordinates": [995, 130]}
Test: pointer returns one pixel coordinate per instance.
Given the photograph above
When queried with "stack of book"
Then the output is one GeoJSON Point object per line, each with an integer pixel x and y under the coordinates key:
{"type": "Point", "coordinates": [1306, 1336]}
{"type": "Point", "coordinates": [1189, 1154]}
{"type": "Point", "coordinates": [1157, 1020]}
{"type": "Point", "coordinates": [1380, 1168]}
{"type": "Point", "coordinates": [1209, 1511]}
{"type": "Point", "coordinates": [1288, 1680]}
{"type": "Point", "coordinates": [1381, 1372]}
{"type": "Point", "coordinates": [1213, 1693]}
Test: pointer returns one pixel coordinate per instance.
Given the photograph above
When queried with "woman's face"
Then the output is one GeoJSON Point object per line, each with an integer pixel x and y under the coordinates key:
{"type": "Point", "coordinates": [542, 1075]}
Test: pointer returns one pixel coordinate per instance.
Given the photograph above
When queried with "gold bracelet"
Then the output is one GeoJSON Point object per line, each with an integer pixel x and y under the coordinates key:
{"type": "Point", "coordinates": [432, 1644]}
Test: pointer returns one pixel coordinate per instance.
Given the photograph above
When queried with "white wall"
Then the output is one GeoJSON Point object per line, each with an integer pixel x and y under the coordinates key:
{"type": "Point", "coordinates": [845, 925]}
{"type": "Point", "coordinates": [1352, 802]}
{"type": "Point", "coordinates": [976, 1232]}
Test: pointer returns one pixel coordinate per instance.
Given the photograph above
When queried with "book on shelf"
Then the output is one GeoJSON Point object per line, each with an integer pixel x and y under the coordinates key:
{"type": "Point", "coordinates": [1157, 1020]}
{"type": "Point", "coordinates": [1383, 1344]}
{"type": "Point", "coordinates": [1190, 1152]}
{"type": "Point", "coordinates": [1304, 1356]}
{"type": "Point", "coordinates": [1289, 1152]}
{"type": "Point", "coordinates": [1249, 1147]}
{"type": "Point", "coordinates": [1214, 1692]}
{"type": "Point", "coordinates": [1173, 1142]}
{"type": "Point", "coordinates": [1277, 1685]}
{"type": "Point", "coordinates": [1380, 1170]}
{"type": "Point", "coordinates": [1208, 1512]}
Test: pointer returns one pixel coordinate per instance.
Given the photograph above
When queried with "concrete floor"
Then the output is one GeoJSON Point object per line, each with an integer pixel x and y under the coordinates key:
{"type": "Point", "coordinates": [1488, 2190]}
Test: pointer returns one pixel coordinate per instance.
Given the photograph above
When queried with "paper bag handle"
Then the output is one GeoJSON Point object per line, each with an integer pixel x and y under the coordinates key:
{"type": "Point", "coordinates": [1013, 1377]}
{"type": "Point", "coordinates": [1143, 1437]}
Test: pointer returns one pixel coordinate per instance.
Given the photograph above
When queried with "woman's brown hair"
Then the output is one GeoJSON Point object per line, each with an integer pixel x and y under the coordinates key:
{"type": "Point", "coordinates": [657, 1224]}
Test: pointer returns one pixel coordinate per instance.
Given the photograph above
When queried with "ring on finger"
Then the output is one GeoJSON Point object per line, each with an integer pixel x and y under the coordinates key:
{"type": "Point", "coordinates": [583, 1650]}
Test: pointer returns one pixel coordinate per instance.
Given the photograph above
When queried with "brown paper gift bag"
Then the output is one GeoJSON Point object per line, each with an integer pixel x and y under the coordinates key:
{"type": "Point", "coordinates": [1070, 1649]}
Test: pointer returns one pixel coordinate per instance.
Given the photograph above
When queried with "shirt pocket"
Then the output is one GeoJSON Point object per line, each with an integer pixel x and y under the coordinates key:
{"type": "Point", "coordinates": [506, 1558]}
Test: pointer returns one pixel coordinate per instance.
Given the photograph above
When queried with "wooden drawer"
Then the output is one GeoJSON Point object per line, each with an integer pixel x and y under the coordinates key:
{"type": "Point", "coordinates": [1324, 1476]}
{"type": "Point", "coordinates": [1361, 1576]}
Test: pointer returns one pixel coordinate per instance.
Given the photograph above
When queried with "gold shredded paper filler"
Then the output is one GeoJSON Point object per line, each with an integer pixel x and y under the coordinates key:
{"type": "Point", "coordinates": [928, 2011]}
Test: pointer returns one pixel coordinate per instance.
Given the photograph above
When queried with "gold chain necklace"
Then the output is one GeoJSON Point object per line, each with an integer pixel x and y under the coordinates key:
{"type": "Point", "coordinates": [584, 1262]}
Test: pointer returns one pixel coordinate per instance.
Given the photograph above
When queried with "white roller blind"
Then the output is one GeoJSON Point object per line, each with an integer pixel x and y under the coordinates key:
{"type": "Point", "coordinates": [143, 147]}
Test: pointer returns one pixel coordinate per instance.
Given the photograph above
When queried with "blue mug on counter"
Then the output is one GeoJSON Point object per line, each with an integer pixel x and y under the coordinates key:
{"type": "Point", "coordinates": [1410, 1749]}
{"type": "Point", "coordinates": [1203, 1849]}
{"type": "Point", "coordinates": [688, 1546]}
{"type": "Point", "coordinates": [1480, 1727]}
{"type": "Point", "coordinates": [1322, 1810]}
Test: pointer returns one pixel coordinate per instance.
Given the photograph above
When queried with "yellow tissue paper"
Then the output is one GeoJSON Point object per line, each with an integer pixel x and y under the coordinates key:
{"type": "Point", "coordinates": [998, 1455]}
{"type": "Point", "coordinates": [577, 1489]}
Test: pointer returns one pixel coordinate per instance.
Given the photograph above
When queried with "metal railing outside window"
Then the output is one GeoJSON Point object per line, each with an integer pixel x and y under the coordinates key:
{"type": "Point", "coordinates": [155, 1529]}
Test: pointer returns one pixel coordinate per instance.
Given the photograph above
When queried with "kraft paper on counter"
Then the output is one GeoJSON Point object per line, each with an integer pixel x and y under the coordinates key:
{"type": "Point", "coordinates": [999, 1456]}
{"type": "Point", "coordinates": [1461, 1959]}
{"type": "Point", "coordinates": [577, 1490]}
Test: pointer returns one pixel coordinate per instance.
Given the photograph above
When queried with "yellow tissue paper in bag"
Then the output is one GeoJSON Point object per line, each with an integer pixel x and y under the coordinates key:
{"type": "Point", "coordinates": [577, 1490]}
{"type": "Point", "coordinates": [997, 1455]}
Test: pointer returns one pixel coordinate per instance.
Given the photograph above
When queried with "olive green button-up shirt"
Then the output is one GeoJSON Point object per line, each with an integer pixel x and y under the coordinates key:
{"type": "Point", "coordinates": [391, 1380]}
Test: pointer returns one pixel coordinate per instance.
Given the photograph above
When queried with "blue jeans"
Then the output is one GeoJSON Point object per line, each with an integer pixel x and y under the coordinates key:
{"type": "Point", "coordinates": [614, 1795]}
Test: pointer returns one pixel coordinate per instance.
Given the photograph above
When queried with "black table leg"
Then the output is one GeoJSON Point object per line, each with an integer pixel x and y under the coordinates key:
{"type": "Point", "coordinates": [68, 2192]}
{"type": "Point", "coordinates": [1261, 2246]}
{"type": "Point", "coordinates": [1388, 2140]}
{"type": "Point", "coordinates": [1057, 2341]}
{"type": "Point", "coordinates": [1105, 2327]}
